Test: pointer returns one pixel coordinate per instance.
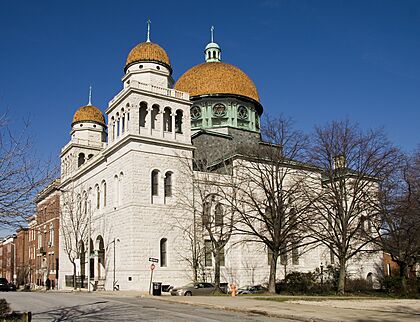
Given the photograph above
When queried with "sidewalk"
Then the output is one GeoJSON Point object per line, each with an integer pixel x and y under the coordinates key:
{"type": "Point", "coordinates": [322, 311]}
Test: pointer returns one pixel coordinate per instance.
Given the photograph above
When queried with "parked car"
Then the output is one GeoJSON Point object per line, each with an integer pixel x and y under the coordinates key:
{"type": "Point", "coordinates": [194, 289]}
{"type": "Point", "coordinates": [252, 289]}
{"type": "Point", "coordinates": [5, 286]}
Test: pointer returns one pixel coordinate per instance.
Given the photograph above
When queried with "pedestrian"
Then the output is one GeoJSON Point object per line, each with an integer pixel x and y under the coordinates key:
{"type": "Point", "coordinates": [48, 284]}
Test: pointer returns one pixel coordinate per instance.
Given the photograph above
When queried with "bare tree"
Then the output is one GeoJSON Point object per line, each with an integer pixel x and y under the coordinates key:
{"type": "Point", "coordinates": [74, 225]}
{"type": "Point", "coordinates": [268, 195]}
{"type": "Point", "coordinates": [190, 248]}
{"type": "Point", "coordinates": [211, 225]}
{"type": "Point", "coordinates": [353, 163]}
{"type": "Point", "coordinates": [398, 230]}
{"type": "Point", "coordinates": [22, 175]}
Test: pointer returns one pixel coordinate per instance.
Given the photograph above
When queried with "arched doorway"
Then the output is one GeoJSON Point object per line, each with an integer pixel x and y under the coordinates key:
{"type": "Point", "coordinates": [82, 263]}
{"type": "Point", "coordinates": [91, 261]}
{"type": "Point", "coordinates": [100, 247]}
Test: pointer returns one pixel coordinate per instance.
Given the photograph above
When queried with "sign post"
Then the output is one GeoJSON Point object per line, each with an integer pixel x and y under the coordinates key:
{"type": "Point", "coordinates": [152, 268]}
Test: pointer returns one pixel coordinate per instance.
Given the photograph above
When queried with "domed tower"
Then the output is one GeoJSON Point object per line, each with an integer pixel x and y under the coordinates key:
{"type": "Point", "coordinates": [225, 102]}
{"type": "Point", "coordinates": [148, 63]}
{"type": "Point", "coordinates": [148, 106]}
{"type": "Point", "coordinates": [88, 137]}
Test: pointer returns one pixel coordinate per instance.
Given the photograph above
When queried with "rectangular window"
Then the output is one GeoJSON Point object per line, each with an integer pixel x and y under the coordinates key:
{"type": "Point", "coordinates": [222, 257]}
{"type": "Point", "coordinates": [104, 187]}
{"type": "Point", "coordinates": [208, 256]}
{"type": "Point", "coordinates": [163, 254]}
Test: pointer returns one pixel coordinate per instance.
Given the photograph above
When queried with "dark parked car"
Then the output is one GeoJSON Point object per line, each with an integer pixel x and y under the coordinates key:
{"type": "Point", "coordinates": [6, 286]}
{"type": "Point", "coordinates": [194, 289]}
{"type": "Point", "coordinates": [252, 289]}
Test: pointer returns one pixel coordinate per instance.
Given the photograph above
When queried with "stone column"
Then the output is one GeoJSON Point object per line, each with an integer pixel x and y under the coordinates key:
{"type": "Point", "coordinates": [149, 119]}
{"type": "Point", "coordinates": [173, 125]}
{"type": "Point", "coordinates": [161, 119]}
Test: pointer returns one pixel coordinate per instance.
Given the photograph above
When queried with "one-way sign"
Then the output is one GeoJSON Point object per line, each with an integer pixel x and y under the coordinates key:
{"type": "Point", "coordinates": [153, 260]}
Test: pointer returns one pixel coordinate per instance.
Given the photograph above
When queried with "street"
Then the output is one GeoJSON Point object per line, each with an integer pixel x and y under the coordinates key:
{"type": "Point", "coordinates": [56, 306]}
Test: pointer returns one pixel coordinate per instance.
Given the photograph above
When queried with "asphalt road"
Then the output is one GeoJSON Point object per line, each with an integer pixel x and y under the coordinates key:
{"type": "Point", "coordinates": [55, 306]}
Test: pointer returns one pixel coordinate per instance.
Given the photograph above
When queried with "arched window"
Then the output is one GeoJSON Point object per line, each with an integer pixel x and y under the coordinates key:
{"type": "Point", "coordinates": [116, 192]}
{"type": "Point", "coordinates": [39, 240]}
{"type": "Point", "coordinates": [104, 193]}
{"type": "Point", "coordinates": [168, 184]}
{"type": "Point", "coordinates": [167, 120]}
{"type": "Point", "coordinates": [123, 124]}
{"type": "Point", "coordinates": [120, 187]}
{"type": "Point", "coordinates": [214, 54]}
{"type": "Point", "coordinates": [51, 240]}
{"type": "Point", "coordinates": [143, 114]}
{"type": "Point", "coordinates": [118, 125]}
{"type": "Point", "coordinates": [218, 215]}
{"type": "Point", "coordinates": [163, 252]}
{"type": "Point", "coordinates": [113, 128]}
{"type": "Point", "coordinates": [155, 182]}
{"type": "Point", "coordinates": [80, 159]}
{"type": "Point", "coordinates": [206, 213]}
{"type": "Point", "coordinates": [98, 197]}
{"type": "Point", "coordinates": [155, 112]}
{"type": "Point", "coordinates": [178, 121]}
{"type": "Point", "coordinates": [85, 203]}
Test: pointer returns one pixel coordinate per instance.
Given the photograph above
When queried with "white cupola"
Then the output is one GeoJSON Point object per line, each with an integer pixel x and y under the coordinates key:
{"type": "Point", "coordinates": [212, 52]}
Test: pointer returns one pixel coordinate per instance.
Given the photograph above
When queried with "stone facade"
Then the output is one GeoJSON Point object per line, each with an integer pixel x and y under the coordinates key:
{"type": "Point", "coordinates": [129, 185]}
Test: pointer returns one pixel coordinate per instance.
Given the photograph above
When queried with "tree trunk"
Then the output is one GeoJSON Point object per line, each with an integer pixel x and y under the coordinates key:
{"type": "Point", "coordinates": [273, 273]}
{"type": "Point", "coordinates": [74, 276]}
{"type": "Point", "coordinates": [403, 275]}
{"type": "Point", "coordinates": [342, 277]}
{"type": "Point", "coordinates": [195, 270]}
{"type": "Point", "coordinates": [217, 269]}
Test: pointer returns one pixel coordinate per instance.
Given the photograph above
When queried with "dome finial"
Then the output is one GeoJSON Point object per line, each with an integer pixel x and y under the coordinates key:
{"type": "Point", "coordinates": [90, 96]}
{"type": "Point", "coordinates": [212, 53]}
{"type": "Point", "coordinates": [148, 30]}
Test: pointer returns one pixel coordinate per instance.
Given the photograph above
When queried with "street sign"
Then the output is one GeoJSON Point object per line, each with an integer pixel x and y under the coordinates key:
{"type": "Point", "coordinates": [153, 260]}
{"type": "Point", "coordinates": [152, 267]}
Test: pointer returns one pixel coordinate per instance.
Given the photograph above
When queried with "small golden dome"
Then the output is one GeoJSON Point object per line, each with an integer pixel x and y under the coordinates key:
{"type": "Point", "coordinates": [148, 51]}
{"type": "Point", "coordinates": [89, 113]}
{"type": "Point", "coordinates": [217, 78]}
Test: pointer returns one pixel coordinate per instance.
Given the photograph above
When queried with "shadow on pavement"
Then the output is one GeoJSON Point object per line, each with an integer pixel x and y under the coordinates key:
{"type": "Point", "coordinates": [96, 311]}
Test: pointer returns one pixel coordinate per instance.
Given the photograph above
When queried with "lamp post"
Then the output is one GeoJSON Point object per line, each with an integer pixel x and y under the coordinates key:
{"type": "Point", "coordinates": [322, 273]}
{"type": "Point", "coordinates": [113, 276]}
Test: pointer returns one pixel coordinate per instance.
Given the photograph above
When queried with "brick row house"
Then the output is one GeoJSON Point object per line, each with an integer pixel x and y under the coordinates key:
{"type": "Point", "coordinates": [43, 236]}
{"type": "Point", "coordinates": [34, 249]}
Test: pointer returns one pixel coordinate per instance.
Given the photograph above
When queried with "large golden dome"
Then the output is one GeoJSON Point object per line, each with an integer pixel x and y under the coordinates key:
{"type": "Point", "coordinates": [217, 78]}
{"type": "Point", "coordinates": [148, 51]}
{"type": "Point", "coordinates": [89, 113]}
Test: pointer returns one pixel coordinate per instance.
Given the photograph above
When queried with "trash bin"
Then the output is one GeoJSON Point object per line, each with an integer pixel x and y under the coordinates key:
{"type": "Point", "coordinates": [157, 288]}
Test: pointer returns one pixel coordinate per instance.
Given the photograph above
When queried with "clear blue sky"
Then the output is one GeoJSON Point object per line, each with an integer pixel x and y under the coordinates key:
{"type": "Point", "coordinates": [311, 60]}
